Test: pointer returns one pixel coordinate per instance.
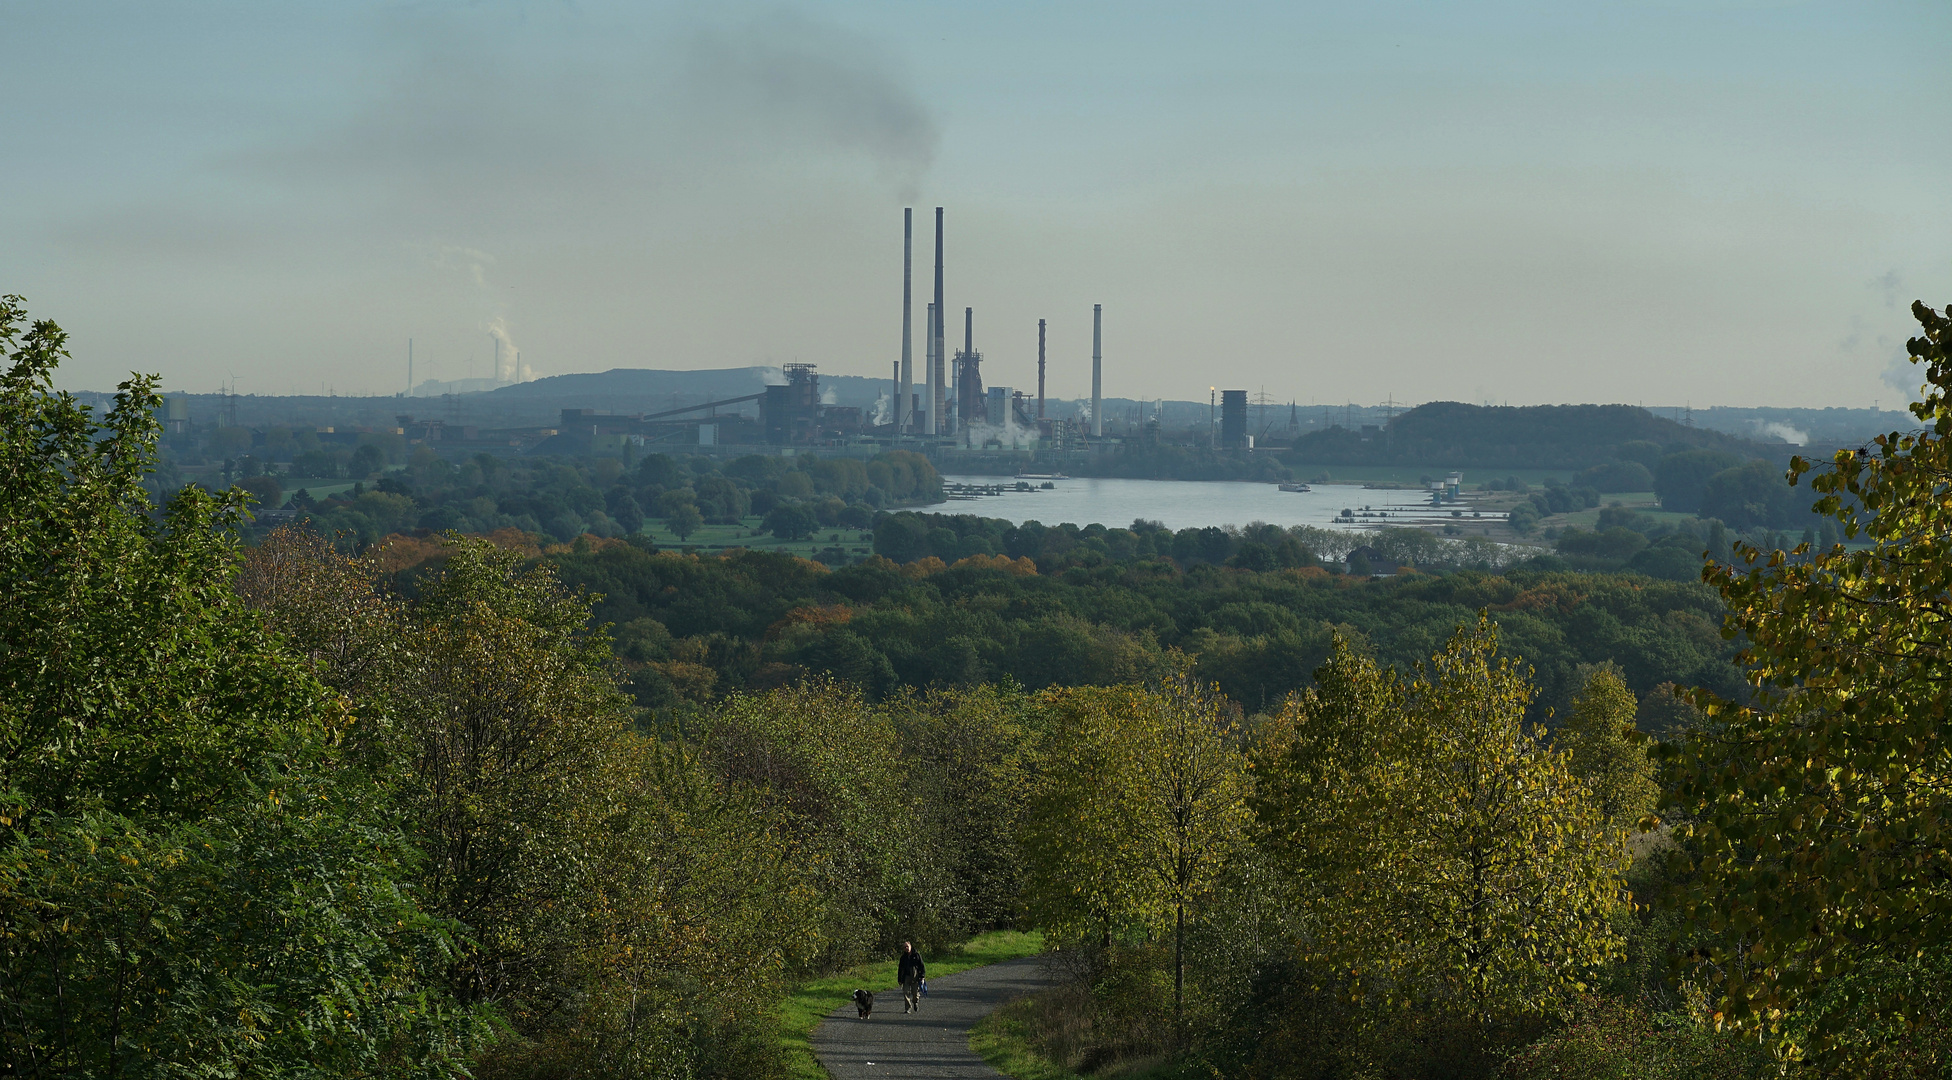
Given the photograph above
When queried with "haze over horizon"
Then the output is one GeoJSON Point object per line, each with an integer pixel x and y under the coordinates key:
{"type": "Point", "coordinates": [1723, 203]}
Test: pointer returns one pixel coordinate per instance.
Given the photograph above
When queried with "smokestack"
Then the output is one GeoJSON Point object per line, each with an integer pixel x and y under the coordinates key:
{"type": "Point", "coordinates": [905, 379]}
{"type": "Point", "coordinates": [932, 380]}
{"type": "Point", "coordinates": [935, 336]}
{"type": "Point", "coordinates": [1097, 371]}
{"type": "Point", "coordinates": [894, 424]}
{"type": "Point", "coordinates": [969, 329]}
{"type": "Point", "coordinates": [409, 367]}
{"type": "Point", "coordinates": [1040, 369]}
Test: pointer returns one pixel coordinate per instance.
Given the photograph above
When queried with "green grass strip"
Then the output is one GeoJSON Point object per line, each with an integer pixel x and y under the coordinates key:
{"type": "Point", "coordinates": [1004, 1040]}
{"type": "Point", "coordinates": [810, 1002]}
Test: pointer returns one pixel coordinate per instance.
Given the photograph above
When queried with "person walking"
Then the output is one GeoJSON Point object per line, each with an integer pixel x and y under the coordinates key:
{"type": "Point", "coordinates": [910, 973]}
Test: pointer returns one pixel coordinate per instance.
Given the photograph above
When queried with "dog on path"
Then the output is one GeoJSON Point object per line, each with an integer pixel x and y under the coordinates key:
{"type": "Point", "coordinates": [864, 1003]}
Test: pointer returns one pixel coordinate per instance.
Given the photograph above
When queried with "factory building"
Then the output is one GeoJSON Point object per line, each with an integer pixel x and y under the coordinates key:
{"type": "Point", "coordinates": [791, 413]}
{"type": "Point", "coordinates": [1233, 419]}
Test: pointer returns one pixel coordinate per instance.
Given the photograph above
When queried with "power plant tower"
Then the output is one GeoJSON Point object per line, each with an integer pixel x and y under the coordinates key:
{"type": "Point", "coordinates": [970, 406]}
{"type": "Point", "coordinates": [1097, 371]}
{"type": "Point", "coordinates": [932, 381]}
{"type": "Point", "coordinates": [905, 380]}
{"type": "Point", "coordinates": [1040, 369]}
{"type": "Point", "coordinates": [936, 414]}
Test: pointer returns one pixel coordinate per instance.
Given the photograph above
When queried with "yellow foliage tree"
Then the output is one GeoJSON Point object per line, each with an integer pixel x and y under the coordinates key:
{"type": "Point", "coordinates": [1444, 853]}
{"type": "Point", "coordinates": [1819, 806]}
{"type": "Point", "coordinates": [1142, 802]}
{"type": "Point", "coordinates": [1599, 736]}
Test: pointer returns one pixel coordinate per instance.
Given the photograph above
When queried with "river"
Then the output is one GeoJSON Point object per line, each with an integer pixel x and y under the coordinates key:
{"type": "Point", "coordinates": [1182, 504]}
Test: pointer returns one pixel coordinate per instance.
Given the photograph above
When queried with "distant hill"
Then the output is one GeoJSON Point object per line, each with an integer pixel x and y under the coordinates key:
{"type": "Point", "coordinates": [1817, 429]}
{"type": "Point", "coordinates": [1457, 435]}
{"type": "Point", "coordinates": [641, 390]}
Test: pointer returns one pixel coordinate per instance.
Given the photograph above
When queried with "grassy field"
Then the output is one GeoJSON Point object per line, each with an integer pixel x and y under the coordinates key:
{"type": "Point", "coordinates": [810, 1002]}
{"type": "Point", "coordinates": [747, 534]}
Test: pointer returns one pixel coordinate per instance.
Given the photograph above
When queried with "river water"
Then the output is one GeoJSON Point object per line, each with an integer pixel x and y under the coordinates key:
{"type": "Point", "coordinates": [1183, 504]}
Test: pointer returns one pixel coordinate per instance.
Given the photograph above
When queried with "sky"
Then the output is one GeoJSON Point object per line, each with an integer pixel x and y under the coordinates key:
{"type": "Point", "coordinates": [1659, 201]}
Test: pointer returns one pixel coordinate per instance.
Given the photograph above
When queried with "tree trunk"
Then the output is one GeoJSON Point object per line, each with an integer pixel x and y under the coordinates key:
{"type": "Point", "coordinates": [1179, 975]}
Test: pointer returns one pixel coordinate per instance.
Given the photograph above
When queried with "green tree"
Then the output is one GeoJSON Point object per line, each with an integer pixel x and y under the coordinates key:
{"type": "Point", "coordinates": [1082, 884]}
{"type": "Point", "coordinates": [1162, 783]}
{"type": "Point", "coordinates": [683, 520]}
{"type": "Point", "coordinates": [791, 521]}
{"type": "Point", "coordinates": [593, 868]}
{"type": "Point", "coordinates": [972, 754]}
{"type": "Point", "coordinates": [1820, 803]}
{"type": "Point", "coordinates": [265, 491]}
{"type": "Point", "coordinates": [1599, 735]}
{"type": "Point", "coordinates": [367, 461]}
{"type": "Point", "coordinates": [827, 770]}
{"type": "Point", "coordinates": [1447, 855]}
{"type": "Point", "coordinates": [193, 878]}
{"type": "Point", "coordinates": [1681, 478]}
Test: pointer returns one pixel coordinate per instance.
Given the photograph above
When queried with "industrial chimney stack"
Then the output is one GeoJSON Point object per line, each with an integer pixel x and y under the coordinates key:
{"type": "Point", "coordinates": [905, 378]}
{"type": "Point", "coordinates": [1040, 369]}
{"type": "Point", "coordinates": [936, 414]}
{"type": "Point", "coordinates": [1097, 371]}
{"type": "Point", "coordinates": [932, 377]}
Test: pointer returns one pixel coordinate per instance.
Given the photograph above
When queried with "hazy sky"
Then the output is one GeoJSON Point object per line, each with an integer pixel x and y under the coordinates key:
{"type": "Point", "coordinates": [1721, 203]}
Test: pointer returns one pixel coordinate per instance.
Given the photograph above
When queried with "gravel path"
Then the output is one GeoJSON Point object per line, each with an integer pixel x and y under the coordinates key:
{"type": "Point", "coordinates": [932, 1044]}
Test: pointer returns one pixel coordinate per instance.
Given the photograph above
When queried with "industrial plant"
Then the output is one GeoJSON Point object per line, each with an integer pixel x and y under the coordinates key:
{"type": "Point", "coordinates": [953, 410]}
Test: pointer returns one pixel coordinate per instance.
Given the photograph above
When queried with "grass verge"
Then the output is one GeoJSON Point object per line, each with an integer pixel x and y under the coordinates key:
{"type": "Point", "coordinates": [811, 1001]}
{"type": "Point", "coordinates": [1004, 1039]}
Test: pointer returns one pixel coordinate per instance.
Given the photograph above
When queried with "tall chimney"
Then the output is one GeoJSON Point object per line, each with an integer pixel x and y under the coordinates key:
{"type": "Point", "coordinates": [932, 379]}
{"type": "Point", "coordinates": [894, 425]}
{"type": "Point", "coordinates": [935, 336]}
{"type": "Point", "coordinates": [905, 380]}
{"type": "Point", "coordinates": [1040, 369]}
{"type": "Point", "coordinates": [1097, 371]}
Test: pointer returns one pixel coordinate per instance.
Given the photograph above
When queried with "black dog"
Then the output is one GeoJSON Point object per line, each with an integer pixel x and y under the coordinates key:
{"type": "Point", "coordinates": [864, 1003]}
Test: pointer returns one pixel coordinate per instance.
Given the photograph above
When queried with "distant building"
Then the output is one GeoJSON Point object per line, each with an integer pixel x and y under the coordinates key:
{"type": "Point", "coordinates": [997, 408]}
{"type": "Point", "coordinates": [1233, 419]}
{"type": "Point", "coordinates": [1366, 561]}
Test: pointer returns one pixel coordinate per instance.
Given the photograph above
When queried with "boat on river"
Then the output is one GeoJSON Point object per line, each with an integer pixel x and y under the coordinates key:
{"type": "Point", "coordinates": [1296, 487]}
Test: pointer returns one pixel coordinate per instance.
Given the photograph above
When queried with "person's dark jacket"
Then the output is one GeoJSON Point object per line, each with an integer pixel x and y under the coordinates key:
{"type": "Point", "coordinates": [911, 968]}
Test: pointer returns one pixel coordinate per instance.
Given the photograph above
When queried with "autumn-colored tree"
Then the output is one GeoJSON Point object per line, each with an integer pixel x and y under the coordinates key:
{"type": "Point", "coordinates": [1082, 884]}
{"type": "Point", "coordinates": [1821, 805]}
{"type": "Point", "coordinates": [1142, 802]}
{"type": "Point", "coordinates": [1447, 855]}
{"type": "Point", "coordinates": [1599, 736]}
{"type": "Point", "coordinates": [827, 770]}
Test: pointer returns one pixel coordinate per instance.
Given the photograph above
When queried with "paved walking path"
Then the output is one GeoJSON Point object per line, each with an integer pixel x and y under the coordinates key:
{"type": "Point", "coordinates": [932, 1044]}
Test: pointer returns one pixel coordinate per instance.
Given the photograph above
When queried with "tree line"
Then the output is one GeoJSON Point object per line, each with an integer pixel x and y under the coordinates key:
{"type": "Point", "coordinates": [292, 810]}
